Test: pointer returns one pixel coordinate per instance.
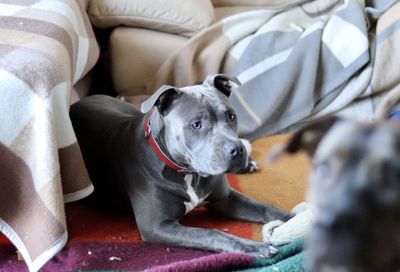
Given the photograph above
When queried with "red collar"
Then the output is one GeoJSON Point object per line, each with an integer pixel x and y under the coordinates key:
{"type": "Point", "coordinates": [157, 149]}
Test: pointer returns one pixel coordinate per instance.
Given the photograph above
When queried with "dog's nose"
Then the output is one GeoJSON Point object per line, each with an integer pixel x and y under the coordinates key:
{"type": "Point", "coordinates": [233, 149]}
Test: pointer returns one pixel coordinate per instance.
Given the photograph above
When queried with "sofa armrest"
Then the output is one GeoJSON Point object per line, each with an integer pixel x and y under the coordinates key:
{"type": "Point", "coordinates": [183, 17]}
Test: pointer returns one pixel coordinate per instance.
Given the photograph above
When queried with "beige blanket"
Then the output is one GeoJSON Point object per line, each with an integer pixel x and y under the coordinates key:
{"type": "Point", "coordinates": [45, 48]}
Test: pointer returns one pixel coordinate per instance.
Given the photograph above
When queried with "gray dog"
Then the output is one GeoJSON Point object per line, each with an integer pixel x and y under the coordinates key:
{"type": "Point", "coordinates": [169, 158]}
{"type": "Point", "coordinates": [355, 190]}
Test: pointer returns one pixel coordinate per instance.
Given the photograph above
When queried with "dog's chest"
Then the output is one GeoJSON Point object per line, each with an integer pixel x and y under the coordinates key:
{"type": "Point", "coordinates": [194, 198]}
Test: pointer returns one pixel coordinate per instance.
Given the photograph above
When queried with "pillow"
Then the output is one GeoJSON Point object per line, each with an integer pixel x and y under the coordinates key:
{"type": "Point", "coordinates": [184, 17]}
{"type": "Point", "coordinates": [266, 3]}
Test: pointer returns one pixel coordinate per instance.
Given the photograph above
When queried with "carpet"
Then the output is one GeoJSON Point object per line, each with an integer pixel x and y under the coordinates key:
{"type": "Point", "coordinates": [108, 241]}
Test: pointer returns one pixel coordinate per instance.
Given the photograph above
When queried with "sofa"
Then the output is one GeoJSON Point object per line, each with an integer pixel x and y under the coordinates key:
{"type": "Point", "coordinates": [143, 34]}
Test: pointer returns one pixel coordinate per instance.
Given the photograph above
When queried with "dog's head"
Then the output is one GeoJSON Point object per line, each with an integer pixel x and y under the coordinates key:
{"type": "Point", "coordinates": [355, 190]}
{"type": "Point", "coordinates": [198, 126]}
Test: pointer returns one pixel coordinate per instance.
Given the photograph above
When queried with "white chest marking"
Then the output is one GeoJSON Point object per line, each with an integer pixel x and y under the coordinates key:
{"type": "Point", "coordinates": [195, 200]}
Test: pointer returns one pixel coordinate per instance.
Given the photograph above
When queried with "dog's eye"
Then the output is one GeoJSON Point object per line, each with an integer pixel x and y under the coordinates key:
{"type": "Point", "coordinates": [322, 169]}
{"type": "Point", "coordinates": [196, 125]}
{"type": "Point", "coordinates": [232, 117]}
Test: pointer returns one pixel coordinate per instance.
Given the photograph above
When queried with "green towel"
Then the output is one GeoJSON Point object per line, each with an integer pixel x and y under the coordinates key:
{"type": "Point", "coordinates": [290, 258]}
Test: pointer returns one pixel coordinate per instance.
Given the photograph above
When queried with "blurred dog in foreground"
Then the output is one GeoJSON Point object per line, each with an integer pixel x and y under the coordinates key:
{"type": "Point", "coordinates": [355, 193]}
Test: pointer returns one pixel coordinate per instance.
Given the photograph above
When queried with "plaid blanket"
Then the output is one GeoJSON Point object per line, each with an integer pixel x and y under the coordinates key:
{"type": "Point", "coordinates": [297, 61]}
{"type": "Point", "coordinates": [45, 48]}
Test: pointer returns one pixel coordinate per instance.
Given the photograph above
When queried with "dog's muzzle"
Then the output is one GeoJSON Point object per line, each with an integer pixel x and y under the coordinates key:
{"type": "Point", "coordinates": [236, 155]}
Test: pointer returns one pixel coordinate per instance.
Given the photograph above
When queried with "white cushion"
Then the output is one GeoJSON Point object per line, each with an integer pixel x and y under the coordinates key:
{"type": "Point", "coordinates": [184, 17]}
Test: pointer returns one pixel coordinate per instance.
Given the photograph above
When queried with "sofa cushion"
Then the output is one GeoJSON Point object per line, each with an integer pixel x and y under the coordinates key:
{"type": "Point", "coordinates": [184, 17]}
{"type": "Point", "coordinates": [266, 3]}
{"type": "Point", "coordinates": [136, 56]}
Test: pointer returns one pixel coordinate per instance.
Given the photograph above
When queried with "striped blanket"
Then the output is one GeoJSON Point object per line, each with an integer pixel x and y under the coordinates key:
{"type": "Point", "coordinates": [297, 61]}
{"type": "Point", "coordinates": [45, 48]}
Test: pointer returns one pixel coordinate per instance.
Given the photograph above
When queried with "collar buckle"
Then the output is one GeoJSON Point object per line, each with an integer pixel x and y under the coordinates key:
{"type": "Point", "coordinates": [147, 132]}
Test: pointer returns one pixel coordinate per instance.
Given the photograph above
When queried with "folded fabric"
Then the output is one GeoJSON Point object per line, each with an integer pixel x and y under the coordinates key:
{"type": "Point", "coordinates": [45, 47]}
{"type": "Point", "coordinates": [278, 233]}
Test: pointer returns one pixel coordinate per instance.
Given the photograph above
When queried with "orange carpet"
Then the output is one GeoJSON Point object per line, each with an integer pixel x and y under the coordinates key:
{"type": "Point", "coordinates": [282, 183]}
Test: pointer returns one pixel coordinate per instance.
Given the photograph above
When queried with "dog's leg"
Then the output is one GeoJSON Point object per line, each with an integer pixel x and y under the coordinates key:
{"type": "Point", "coordinates": [172, 233]}
{"type": "Point", "coordinates": [252, 165]}
{"type": "Point", "coordinates": [158, 222]}
{"type": "Point", "coordinates": [239, 206]}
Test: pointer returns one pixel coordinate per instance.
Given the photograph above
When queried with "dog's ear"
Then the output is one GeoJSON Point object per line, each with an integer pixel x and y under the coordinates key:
{"type": "Point", "coordinates": [305, 139]}
{"type": "Point", "coordinates": [222, 83]}
{"type": "Point", "coordinates": [162, 99]}
{"type": "Point", "coordinates": [308, 137]}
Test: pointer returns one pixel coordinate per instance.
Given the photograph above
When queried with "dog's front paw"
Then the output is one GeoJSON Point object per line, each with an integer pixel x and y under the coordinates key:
{"type": "Point", "coordinates": [251, 167]}
{"type": "Point", "coordinates": [267, 251]}
{"type": "Point", "coordinates": [271, 252]}
{"type": "Point", "coordinates": [261, 250]}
